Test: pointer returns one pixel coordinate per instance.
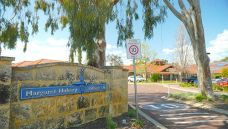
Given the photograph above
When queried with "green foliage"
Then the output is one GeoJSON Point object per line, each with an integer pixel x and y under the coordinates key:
{"type": "Point", "coordinates": [155, 77]}
{"type": "Point", "coordinates": [224, 98]}
{"type": "Point", "coordinates": [187, 85]}
{"type": "Point", "coordinates": [131, 112]}
{"type": "Point", "coordinates": [225, 89]}
{"type": "Point", "coordinates": [216, 87]}
{"type": "Point", "coordinates": [224, 59]}
{"type": "Point", "coordinates": [16, 17]}
{"type": "Point", "coordinates": [224, 72]}
{"type": "Point", "coordinates": [199, 97]}
{"type": "Point", "coordinates": [183, 96]}
{"type": "Point", "coordinates": [137, 124]}
{"type": "Point", "coordinates": [219, 88]}
{"type": "Point", "coordinates": [110, 123]}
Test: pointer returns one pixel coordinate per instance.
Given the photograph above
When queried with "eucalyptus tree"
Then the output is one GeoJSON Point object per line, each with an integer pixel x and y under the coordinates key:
{"type": "Point", "coordinates": [15, 17]}
{"type": "Point", "coordinates": [87, 20]}
{"type": "Point", "coordinates": [191, 18]}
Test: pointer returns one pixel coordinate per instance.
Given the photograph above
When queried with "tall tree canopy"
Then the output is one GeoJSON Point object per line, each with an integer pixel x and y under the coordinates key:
{"type": "Point", "coordinates": [86, 20]}
{"type": "Point", "coordinates": [15, 17]}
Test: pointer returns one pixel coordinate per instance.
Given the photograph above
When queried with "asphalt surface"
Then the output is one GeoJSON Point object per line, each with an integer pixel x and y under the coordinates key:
{"type": "Point", "coordinates": [174, 115]}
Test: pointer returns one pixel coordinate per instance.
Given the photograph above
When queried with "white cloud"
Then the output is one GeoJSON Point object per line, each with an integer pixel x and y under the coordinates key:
{"type": "Point", "coordinates": [51, 48]}
{"type": "Point", "coordinates": [56, 49]}
{"type": "Point", "coordinates": [219, 47]}
{"type": "Point", "coordinates": [168, 51]}
{"type": "Point", "coordinates": [54, 42]}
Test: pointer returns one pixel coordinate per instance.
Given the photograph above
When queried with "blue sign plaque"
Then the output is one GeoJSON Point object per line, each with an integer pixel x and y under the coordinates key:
{"type": "Point", "coordinates": [76, 88]}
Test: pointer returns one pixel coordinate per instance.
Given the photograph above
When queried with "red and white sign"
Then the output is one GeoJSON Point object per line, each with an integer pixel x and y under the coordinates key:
{"type": "Point", "coordinates": [133, 49]}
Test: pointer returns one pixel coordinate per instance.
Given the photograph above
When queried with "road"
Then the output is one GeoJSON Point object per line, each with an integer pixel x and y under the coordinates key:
{"type": "Point", "coordinates": [174, 115]}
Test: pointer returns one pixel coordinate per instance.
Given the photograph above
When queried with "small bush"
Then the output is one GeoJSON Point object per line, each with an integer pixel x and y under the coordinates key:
{"type": "Point", "coordinates": [199, 97]}
{"type": "Point", "coordinates": [110, 123]}
{"type": "Point", "coordinates": [155, 77]}
{"type": "Point", "coordinates": [187, 85]}
{"type": "Point", "coordinates": [137, 124]}
{"type": "Point", "coordinates": [183, 96]}
{"type": "Point", "coordinates": [131, 112]}
{"type": "Point", "coordinates": [216, 87]}
{"type": "Point", "coordinates": [225, 89]}
{"type": "Point", "coordinates": [224, 98]}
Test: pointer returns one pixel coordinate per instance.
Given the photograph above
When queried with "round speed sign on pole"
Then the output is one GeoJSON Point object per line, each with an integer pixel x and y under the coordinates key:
{"type": "Point", "coordinates": [133, 49]}
{"type": "Point", "coordinates": [134, 52]}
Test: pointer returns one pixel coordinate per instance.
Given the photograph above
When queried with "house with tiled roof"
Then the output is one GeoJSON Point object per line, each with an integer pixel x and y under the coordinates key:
{"type": "Point", "coordinates": [215, 67]}
{"type": "Point", "coordinates": [36, 62]}
{"type": "Point", "coordinates": [167, 71]}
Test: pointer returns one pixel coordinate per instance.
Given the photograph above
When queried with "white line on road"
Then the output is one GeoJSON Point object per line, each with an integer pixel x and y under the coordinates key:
{"type": "Point", "coordinates": [190, 117]}
{"type": "Point", "coordinates": [173, 105]}
{"type": "Point", "coordinates": [170, 110]}
{"type": "Point", "coordinates": [153, 106]}
{"type": "Point", "coordinates": [200, 121]}
{"type": "Point", "coordinates": [166, 106]}
{"type": "Point", "coordinates": [180, 114]}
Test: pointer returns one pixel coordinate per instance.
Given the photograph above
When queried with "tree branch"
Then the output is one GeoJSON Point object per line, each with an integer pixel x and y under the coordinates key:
{"type": "Point", "coordinates": [175, 12]}
{"type": "Point", "coordinates": [182, 6]}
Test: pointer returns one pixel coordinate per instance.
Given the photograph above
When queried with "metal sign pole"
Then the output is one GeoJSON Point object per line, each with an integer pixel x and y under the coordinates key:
{"type": "Point", "coordinates": [135, 86]}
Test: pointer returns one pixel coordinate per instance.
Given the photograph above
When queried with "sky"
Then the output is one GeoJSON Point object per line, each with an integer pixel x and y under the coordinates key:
{"type": "Point", "coordinates": [215, 20]}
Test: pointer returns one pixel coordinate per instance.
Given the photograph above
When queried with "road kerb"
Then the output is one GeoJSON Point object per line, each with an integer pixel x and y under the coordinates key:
{"type": "Point", "coordinates": [200, 105]}
{"type": "Point", "coordinates": [157, 124]}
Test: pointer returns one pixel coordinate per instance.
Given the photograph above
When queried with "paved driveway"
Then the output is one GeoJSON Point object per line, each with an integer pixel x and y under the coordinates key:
{"type": "Point", "coordinates": [175, 115]}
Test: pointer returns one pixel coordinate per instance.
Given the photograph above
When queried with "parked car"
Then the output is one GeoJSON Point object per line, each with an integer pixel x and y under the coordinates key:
{"type": "Point", "coordinates": [192, 79]}
{"type": "Point", "coordinates": [216, 80]}
{"type": "Point", "coordinates": [138, 78]}
{"type": "Point", "coordinates": [131, 78]}
{"type": "Point", "coordinates": [223, 82]}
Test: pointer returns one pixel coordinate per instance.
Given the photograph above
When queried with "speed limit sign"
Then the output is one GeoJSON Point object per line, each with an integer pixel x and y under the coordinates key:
{"type": "Point", "coordinates": [133, 49]}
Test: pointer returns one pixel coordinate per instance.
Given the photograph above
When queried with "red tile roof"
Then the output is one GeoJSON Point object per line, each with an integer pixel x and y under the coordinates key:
{"type": "Point", "coordinates": [192, 69]}
{"type": "Point", "coordinates": [151, 68]}
{"type": "Point", "coordinates": [220, 70]}
{"type": "Point", "coordinates": [29, 63]}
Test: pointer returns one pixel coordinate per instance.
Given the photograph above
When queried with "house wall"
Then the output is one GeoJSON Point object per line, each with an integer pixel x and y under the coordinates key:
{"type": "Point", "coordinates": [68, 110]}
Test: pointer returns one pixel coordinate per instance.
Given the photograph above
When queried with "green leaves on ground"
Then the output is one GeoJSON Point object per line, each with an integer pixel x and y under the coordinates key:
{"type": "Point", "coordinates": [110, 123]}
{"type": "Point", "coordinates": [137, 124]}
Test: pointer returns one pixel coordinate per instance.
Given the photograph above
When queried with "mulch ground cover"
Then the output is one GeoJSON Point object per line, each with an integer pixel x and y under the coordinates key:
{"type": "Point", "coordinates": [102, 124]}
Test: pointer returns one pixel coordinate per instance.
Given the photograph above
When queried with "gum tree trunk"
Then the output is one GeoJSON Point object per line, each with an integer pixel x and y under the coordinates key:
{"type": "Point", "coordinates": [193, 23]}
{"type": "Point", "coordinates": [101, 48]}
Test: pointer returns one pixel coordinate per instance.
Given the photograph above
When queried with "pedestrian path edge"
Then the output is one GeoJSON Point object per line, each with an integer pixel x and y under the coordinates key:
{"type": "Point", "coordinates": [156, 123]}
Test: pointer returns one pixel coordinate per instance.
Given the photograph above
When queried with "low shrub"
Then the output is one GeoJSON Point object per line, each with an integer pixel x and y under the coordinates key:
{"type": "Point", "coordinates": [110, 123]}
{"type": "Point", "coordinates": [183, 96]}
{"type": "Point", "coordinates": [217, 87]}
{"type": "Point", "coordinates": [187, 85]}
{"type": "Point", "coordinates": [199, 97]}
{"type": "Point", "coordinates": [137, 124]}
{"type": "Point", "coordinates": [131, 112]}
{"type": "Point", "coordinates": [155, 77]}
{"type": "Point", "coordinates": [224, 98]}
{"type": "Point", "coordinates": [225, 89]}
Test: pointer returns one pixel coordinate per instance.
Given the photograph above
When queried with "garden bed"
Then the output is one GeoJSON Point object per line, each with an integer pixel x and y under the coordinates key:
{"type": "Point", "coordinates": [129, 117]}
